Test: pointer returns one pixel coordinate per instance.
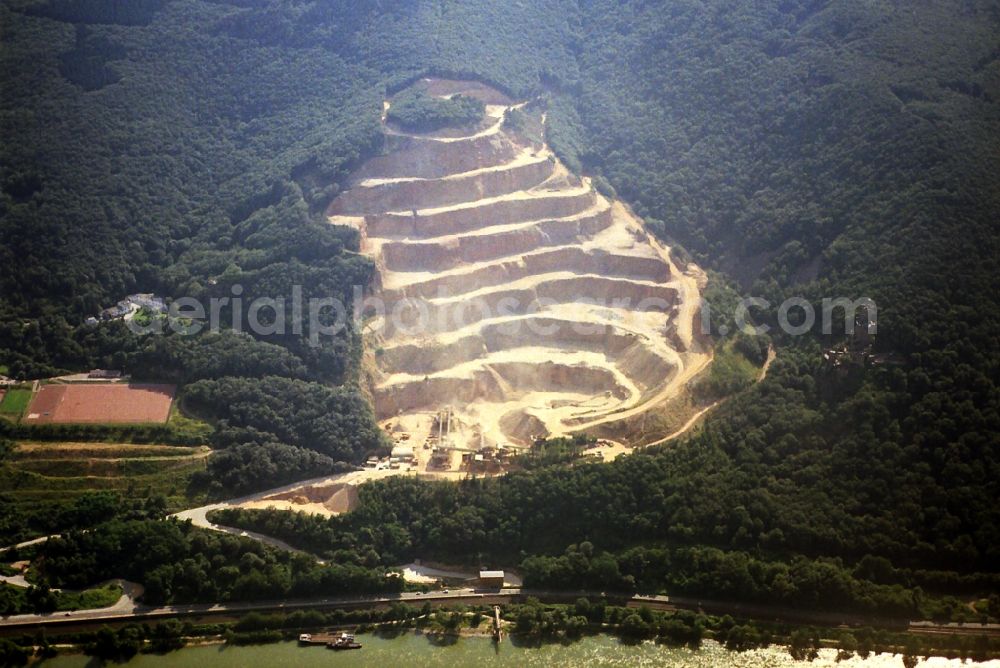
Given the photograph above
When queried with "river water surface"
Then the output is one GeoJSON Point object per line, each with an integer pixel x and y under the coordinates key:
{"type": "Point", "coordinates": [417, 651]}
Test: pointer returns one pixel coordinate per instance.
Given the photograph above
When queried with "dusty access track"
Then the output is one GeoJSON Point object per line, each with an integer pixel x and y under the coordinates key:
{"type": "Point", "coordinates": [512, 291]}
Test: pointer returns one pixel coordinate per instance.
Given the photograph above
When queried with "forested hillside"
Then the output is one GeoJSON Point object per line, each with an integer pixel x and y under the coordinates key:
{"type": "Point", "coordinates": [818, 148]}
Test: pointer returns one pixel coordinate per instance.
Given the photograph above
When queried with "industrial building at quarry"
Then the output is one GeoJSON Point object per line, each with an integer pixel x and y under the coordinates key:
{"type": "Point", "coordinates": [519, 302]}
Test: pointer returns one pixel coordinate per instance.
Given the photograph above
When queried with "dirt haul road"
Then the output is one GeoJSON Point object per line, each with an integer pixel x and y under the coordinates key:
{"type": "Point", "coordinates": [512, 291]}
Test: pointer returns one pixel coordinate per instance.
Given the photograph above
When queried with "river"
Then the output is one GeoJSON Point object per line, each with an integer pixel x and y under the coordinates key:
{"type": "Point", "coordinates": [417, 651]}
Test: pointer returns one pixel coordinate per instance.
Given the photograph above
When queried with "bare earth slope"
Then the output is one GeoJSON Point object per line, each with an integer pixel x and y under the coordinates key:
{"type": "Point", "coordinates": [512, 292]}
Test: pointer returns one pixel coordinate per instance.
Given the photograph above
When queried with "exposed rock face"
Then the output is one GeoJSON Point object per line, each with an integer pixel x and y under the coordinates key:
{"type": "Point", "coordinates": [512, 291]}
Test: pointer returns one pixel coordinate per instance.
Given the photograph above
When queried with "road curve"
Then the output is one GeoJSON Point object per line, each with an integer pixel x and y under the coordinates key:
{"type": "Point", "coordinates": [697, 416]}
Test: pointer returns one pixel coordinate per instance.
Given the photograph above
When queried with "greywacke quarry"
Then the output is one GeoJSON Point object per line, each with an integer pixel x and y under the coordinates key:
{"type": "Point", "coordinates": [514, 295]}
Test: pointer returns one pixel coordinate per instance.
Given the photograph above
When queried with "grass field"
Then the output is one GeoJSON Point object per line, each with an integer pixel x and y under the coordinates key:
{"type": "Point", "coordinates": [15, 402]}
{"type": "Point", "coordinates": [188, 426]}
{"type": "Point", "coordinates": [98, 597]}
{"type": "Point", "coordinates": [61, 450]}
{"type": "Point", "coordinates": [99, 467]}
{"type": "Point", "coordinates": [729, 373]}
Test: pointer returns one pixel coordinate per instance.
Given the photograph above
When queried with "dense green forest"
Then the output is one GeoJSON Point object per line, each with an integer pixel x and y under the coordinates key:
{"type": "Point", "coordinates": [416, 111]}
{"type": "Point", "coordinates": [840, 148]}
{"type": "Point", "coordinates": [176, 562]}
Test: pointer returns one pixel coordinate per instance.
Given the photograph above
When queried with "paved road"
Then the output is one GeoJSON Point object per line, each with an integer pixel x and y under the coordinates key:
{"type": "Point", "coordinates": [26, 543]}
{"type": "Point", "coordinates": [126, 605]}
{"type": "Point", "coordinates": [15, 580]}
{"type": "Point", "coordinates": [136, 611]}
{"type": "Point", "coordinates": [199, 516]}
{"type": "Point", "coordinates": [126, 610]}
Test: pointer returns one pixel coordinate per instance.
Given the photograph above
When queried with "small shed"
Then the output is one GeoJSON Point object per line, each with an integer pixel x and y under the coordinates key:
{"type": "Point", "coordinates": [104, 374]}
{"type": "Point", "coordinates": [403, 453]}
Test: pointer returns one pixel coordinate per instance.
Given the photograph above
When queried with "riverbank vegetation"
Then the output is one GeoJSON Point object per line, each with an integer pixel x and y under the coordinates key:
{"type": "Point", "coordinates": [529, 622]}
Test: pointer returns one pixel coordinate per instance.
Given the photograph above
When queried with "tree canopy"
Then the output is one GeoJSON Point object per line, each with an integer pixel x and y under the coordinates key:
{"type": "Point", "coordinates": [798, 147]}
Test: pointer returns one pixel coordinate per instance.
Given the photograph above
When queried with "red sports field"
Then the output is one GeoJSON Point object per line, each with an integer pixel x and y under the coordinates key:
{"type": "Point", "coordinates": [110, 402]}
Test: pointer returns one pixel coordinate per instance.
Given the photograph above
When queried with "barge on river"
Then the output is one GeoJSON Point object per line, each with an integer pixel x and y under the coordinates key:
{"type": "Point", "coordinates": [331, 641]}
